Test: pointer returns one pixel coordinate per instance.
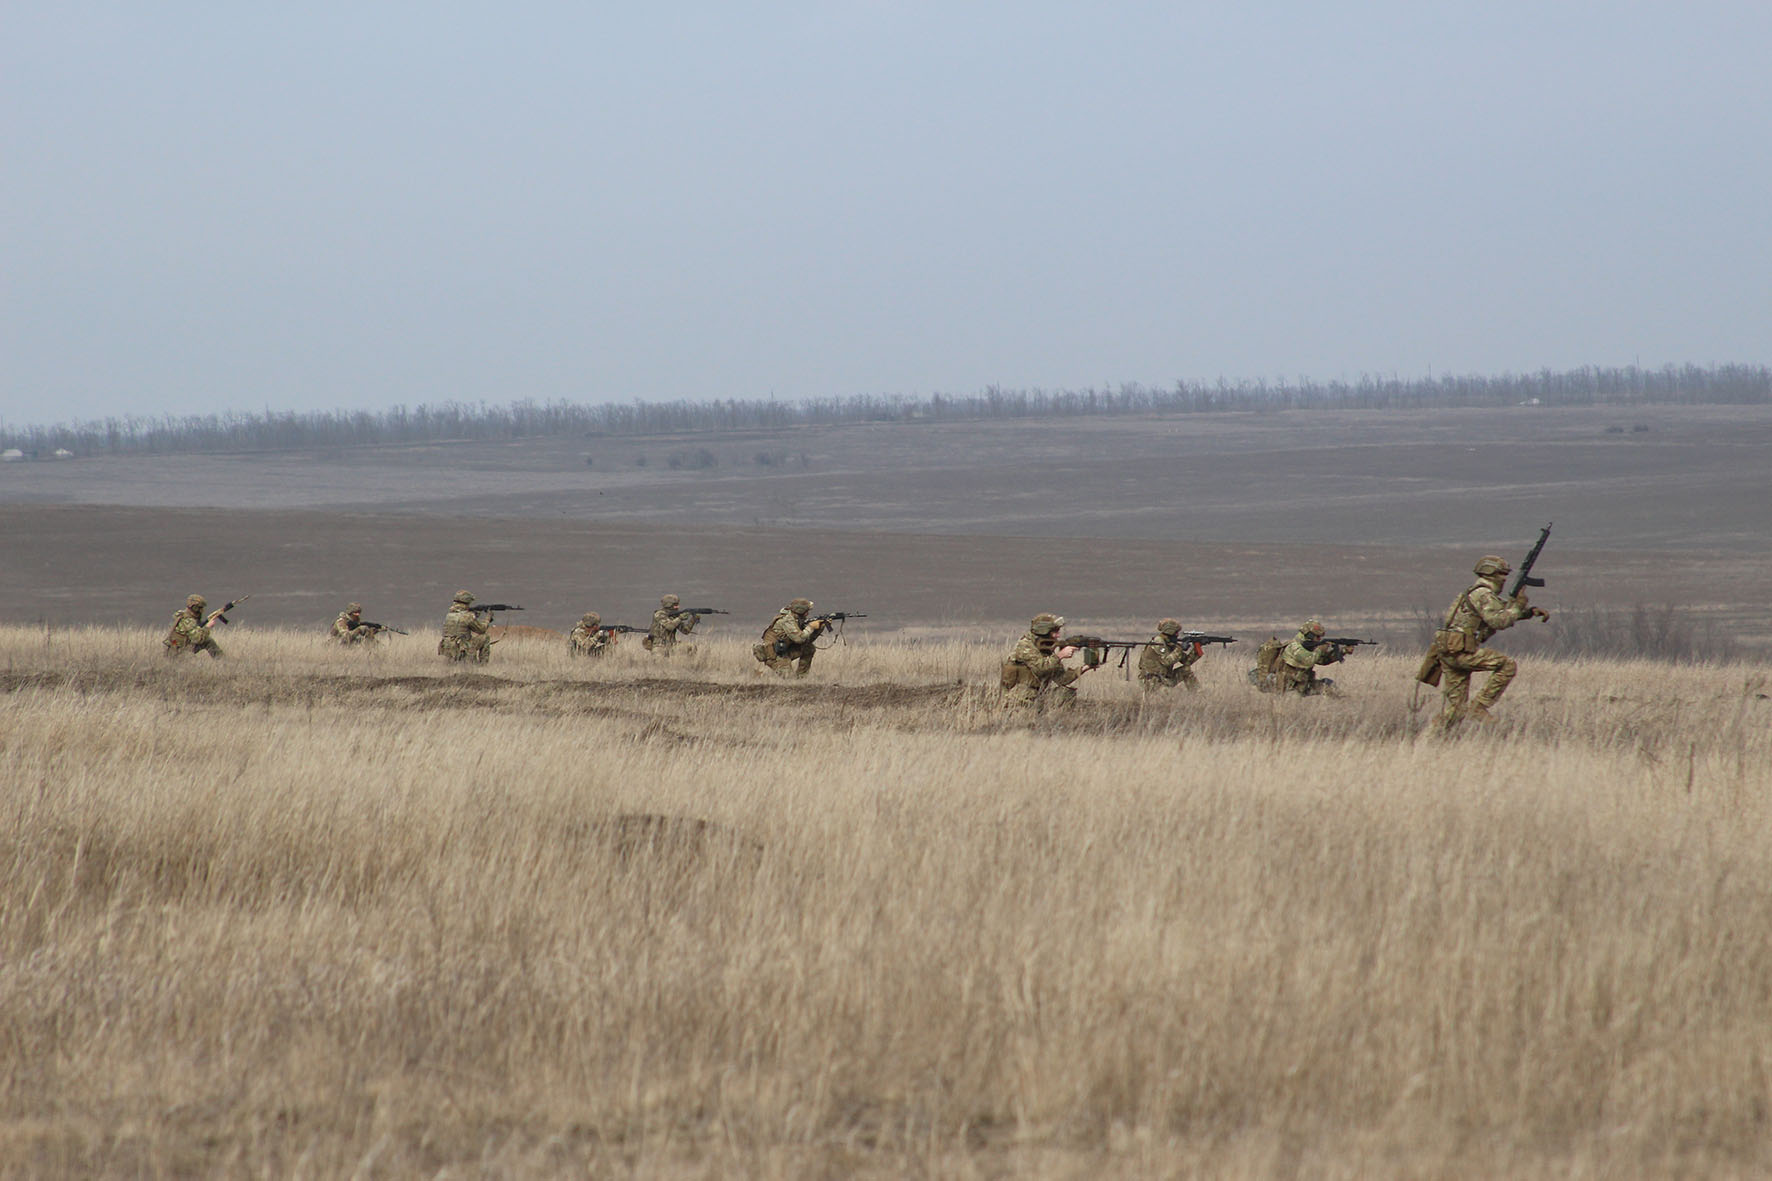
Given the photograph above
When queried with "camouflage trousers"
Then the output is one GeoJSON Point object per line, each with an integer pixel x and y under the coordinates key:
{"type": "Point", "coordinates": [1305, 681]}
{"type": "Point", "coordinates": [477, 649]}
{"type": "Point", "coordinates": [1039, 697]}
{"type": "Point", "coordinates": [209, 646]}
{"type": "Point", "coordinates": [1153, 683]}
{"type": "Point", "coordinates": [1455, 680]}
{"type": "Point", "coordinates": [796, 657]}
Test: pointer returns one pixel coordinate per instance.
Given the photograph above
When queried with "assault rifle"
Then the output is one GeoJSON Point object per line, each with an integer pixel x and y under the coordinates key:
{"type": "Point", "coordinates": [700, 611]}
{"type": "Point", "coordinates": [220, 614]}
{"type": "Point", "coordinates": [1523, 576]}
{"type": "Point", "coordinates": [1203, 638]}
{"type": "Point", "coordinates": [622, 629]}
{"type": "Point", "coordinates": [492, 609]}
{"type": "Point", "coordinates": [1348, 642]}
{"type": "Point", "coordinates": [377, 627]}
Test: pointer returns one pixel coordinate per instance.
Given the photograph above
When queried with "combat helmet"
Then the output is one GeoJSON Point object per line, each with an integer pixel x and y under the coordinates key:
{"type": "Point", "coordinates": [196, 602]}
{"type": "Point", "coordinates": [353, 608]}
{"type": "Point", "coordinates": [1489, 566]}
{"type": "Point", "coordinates": [465, 598]}
{"type": "Point", "coordinates": [1313, 627]}
{"type": "Point", "coordinates": [799, 606]}
{"type": "Point", "coordinates": [590, 619]}
{"type": "Point", "coordinates": [1168, 627]}
{"type": "Point", "coordinates": [1046, 623]}
{"type": "Point", "coordinates": [670, 602]}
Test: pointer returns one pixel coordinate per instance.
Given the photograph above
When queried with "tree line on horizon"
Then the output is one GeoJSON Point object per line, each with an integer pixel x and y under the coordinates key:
{"type": "Point", "coordinates": [274, 430]}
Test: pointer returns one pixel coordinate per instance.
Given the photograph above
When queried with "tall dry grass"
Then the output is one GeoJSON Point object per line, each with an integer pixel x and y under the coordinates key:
{"type": "Point", "coordinates": [332, 913]}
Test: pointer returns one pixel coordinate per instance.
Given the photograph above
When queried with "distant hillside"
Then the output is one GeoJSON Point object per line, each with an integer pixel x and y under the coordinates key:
{"type": "Point", "coordinates": [275, 431]}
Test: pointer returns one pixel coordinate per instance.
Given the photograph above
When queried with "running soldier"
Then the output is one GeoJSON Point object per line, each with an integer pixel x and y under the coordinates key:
{"type": "Point", "coordinates": [1475, 616]}
{"type": "Point", "coordinates": [464, 633]}
{"type": "Point", "coordinates": [190, 630]}
{"type": "Point", "coordinates": [588, 637]}
{"type": "Point", "coordinates": [1167, 661]}
{"type": "Point", "coordinates": [787, 642]}
{"type": "Point", "coordinates": [1035, 673]}
{"type": "Point", "coordinates": [667, 623]}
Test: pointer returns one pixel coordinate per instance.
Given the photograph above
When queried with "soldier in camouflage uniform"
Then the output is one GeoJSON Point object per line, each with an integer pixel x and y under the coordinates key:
{"type": "Point", "coordinates": [588, 637]}
{"type": "Point", "coordinates": [1474, 616]}
{"type": "Point", "coordinates": [787, 642]}
{"type": "Point", "coordinates": [667, 623]}
{"type": "Point", "coordinates": [348, 628]}
{"type": "Point", "coordinates": [1167, 661]}
{"type": "Point", "coordinates": [190, 630]}
{"type": "Point", "coordinates": [1035, 673]}
{"type": "Point", "coordinates": [464, 633]}
{"type": "Point", "coordinates": [1297, 666]}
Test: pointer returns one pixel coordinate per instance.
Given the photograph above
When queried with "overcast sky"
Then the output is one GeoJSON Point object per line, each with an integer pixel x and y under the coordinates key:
{"type": "Point", "coordinates": [354, 205]}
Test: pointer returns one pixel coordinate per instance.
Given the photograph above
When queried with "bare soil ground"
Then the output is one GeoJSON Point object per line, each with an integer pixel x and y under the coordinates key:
{"type": "Point", "coordinates": [1244, 520]}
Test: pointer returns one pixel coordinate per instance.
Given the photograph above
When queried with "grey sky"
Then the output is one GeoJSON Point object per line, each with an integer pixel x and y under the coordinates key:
{"type": "Point", "coordinates": [353, 205]}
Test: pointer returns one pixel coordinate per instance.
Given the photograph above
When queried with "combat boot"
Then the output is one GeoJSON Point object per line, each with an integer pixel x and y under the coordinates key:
{"type": "Point", "coordinates": [1480, 714]}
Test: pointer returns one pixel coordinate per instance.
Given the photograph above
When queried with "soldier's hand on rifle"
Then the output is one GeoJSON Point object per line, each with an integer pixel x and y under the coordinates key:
{"type": "Point", "coordinates": [1068, 651]}
{"type": "Point", "coordinates": [1538, 613]}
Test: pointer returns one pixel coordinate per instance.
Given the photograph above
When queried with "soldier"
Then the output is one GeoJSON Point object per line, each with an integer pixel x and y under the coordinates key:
{"type": "Point", "coordinates": [464, 633]}
{"type": "Point", "coordinates": [1167, 661]}
{"type": "Point", "coordinates": [1035, 673]}
{"type": "Point", "coordinates": [1297, 666]}
{"type": "Point", "coordinates": [588, 637]}
{"type": "Point", "coordinates": [190, 629]}
{"type": "Point", "coordinates": [787, 642]}
{"type": "Point", "coordinates": [1474, 616]}
{"type": "Point", "coordinates": [667, 622]}
{"type": "Point", "coordinates": [348, 628]}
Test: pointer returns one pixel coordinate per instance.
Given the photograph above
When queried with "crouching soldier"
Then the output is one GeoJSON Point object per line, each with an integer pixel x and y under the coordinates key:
{"type": "Point", "coordinates": [348, 628]}
{"type": "Point", "coordinates": [190, 629]}
{"type": "Point", "coordinates": [464, 633]}
{"type": "Point", "coordinates": [668, 622]}
{"type": "Point", "coordinates": [1035, 673]}
{"type": "Point", "coordinates": [1299, 660]}
{"type": "Point", "coordinates": [588, 637]}
{"type": "Point", "coordinates": [1167, 661]}
{"type": "Point", "coordinates": [787, 642]}
{"type": "Point", "coordinates": [1458, 649]}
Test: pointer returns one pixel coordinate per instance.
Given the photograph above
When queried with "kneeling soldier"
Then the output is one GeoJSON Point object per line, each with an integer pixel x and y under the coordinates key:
{"type": "Point", "coordinates": [1167, 661]}
{"type": "Point", "coordinates": [1297, 666]}
{"type": "Point", "coordinates": [464, 633]}
{"type": "Point", "coordinates": [588, 637]}
{"type": "Point", "coordinates": [788, 640]}
{"type": "Point", "coordinates": [667, 623]}
{"type": "Point", "coordinates": [1035, 673]}
{"type": "Point", "coordinates": [348, 628]}
{"type": "Point", "coordinates": [190, 629]}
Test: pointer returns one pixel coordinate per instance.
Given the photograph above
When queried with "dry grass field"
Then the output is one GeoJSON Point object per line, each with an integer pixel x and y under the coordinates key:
{"type": "Point", "coordinates": [312, 912]}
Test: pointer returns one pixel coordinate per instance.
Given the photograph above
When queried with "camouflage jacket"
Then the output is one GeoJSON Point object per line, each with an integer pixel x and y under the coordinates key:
{"type": "Point", "coordinates": [666, 625]}
{"type": "Point", "coordinates": [1164, 658]}
{"type": "Point", "coordinates": [351, 631]}
{"type": "Point", "coordinates": [1482, 611]}
{"type": "Point", "coordinates": [1296, 655]}
{"type": "Point", "coordinates": [187, 632]}
{"type": "Point", "coordinates": [590, 641]}
{"type": "Point", "coordinates": [786, 627]}
{"type": "Point", "coordinates": [1030, 666]}
{"type": "Point", "coordinates": [461, 623]}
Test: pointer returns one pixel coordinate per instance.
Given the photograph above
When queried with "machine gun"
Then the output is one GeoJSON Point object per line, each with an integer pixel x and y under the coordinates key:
{"type": "Point", "coordinates": [1348, 642]}
{"type": "Point", "coordinates": [1203, 638]}
{"type": "Point", "coordinates": [1096, 649]}
{"type": "Point", "coordinates": [832, 622]}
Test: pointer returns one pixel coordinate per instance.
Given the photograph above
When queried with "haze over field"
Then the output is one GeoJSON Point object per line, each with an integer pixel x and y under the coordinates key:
{"type": "Point", "coordinates": [348, 205]}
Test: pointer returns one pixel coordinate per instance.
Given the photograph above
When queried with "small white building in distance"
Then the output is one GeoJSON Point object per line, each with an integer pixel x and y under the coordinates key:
{"type": "Point", "coordinates": [11, 455]}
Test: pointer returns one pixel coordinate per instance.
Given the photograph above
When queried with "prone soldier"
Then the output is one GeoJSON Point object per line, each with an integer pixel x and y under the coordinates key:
{"type": "Point", "coordinates": [464, 633]}
{"type": "Point", "coordinates": [1035, 672]}
{"type": "Point", "coordinates": [1167, 661]}
{"type": "Point", "coordinates": [787, 642]}
{"type": "Point", "coordinates": [1458, 650]}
